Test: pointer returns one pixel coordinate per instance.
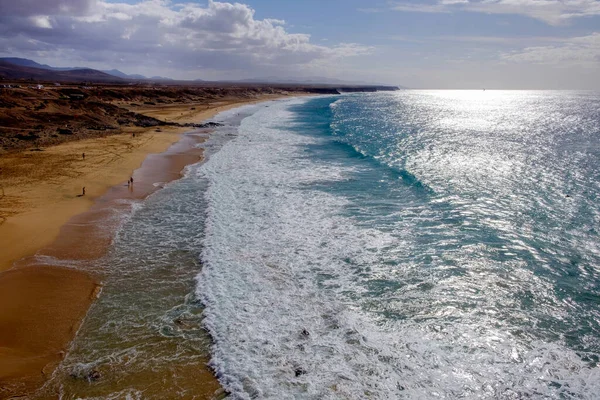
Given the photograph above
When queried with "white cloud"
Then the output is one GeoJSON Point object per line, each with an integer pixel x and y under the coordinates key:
{"type": "Point", "coordinates": [580, 51]}
{"type": "Point", "coordinates": [422, 7]}
{"type": "Point", "coordinates": [554, 12]}
{"type": "Point", "coordinates": [221, 36]}
{"type": "Point", "coordinates": [41, 21]}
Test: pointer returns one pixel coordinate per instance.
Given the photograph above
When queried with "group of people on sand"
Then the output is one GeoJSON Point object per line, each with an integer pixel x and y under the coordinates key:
{"type": "Point", "coordinates": [129, 182]}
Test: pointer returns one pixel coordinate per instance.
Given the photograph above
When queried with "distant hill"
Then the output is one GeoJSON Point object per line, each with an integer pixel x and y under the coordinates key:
{"type": "Point", "coordinates": [79, 73]}
{"type": "Point", "coordinates": [30, 63]}
{"type": "Point", "coordinates": [116, 72]}
{"type": "Point", "coordinates": [136, 76]}
{"type": "Point", "coordinates": [24, 62]}
{"type": "Point", "coordinates": [14, 71]}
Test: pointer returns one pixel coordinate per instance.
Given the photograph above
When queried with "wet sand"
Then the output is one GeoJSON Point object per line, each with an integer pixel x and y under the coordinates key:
{"type": "Point", "coordinates": [46, 226]}
{"type": "Point", "coordinates": [33, 337]}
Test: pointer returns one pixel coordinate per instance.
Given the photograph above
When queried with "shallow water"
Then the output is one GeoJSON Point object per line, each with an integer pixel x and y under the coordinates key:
{"type": "Point", "coordinates": [143, 338]}
{"type": "Point", "coordinates": [415, 244]}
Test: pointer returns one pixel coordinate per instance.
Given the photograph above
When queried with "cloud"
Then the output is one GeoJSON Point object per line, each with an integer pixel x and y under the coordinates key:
{"type": "Point", "coordinates": [422, 7]}
{"type": "Point", "coordinates": [554, 12]}
{"type": "Point", "coordinates": [45, 7]}
{"type": "Point", "coordinates": [579, 51]}
{"type": "Point", "coordinates": [220, 36]}
{"type": "Point", "coordinates": [41, 21]}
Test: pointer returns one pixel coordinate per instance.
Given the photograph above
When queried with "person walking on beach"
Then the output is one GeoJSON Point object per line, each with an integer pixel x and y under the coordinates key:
{"type": "Point", "coordinates": [83, 191]}
{"type": "Point", "coordinates": [131, 181]}
{"type": "Point", "coordinates": [83, 156]}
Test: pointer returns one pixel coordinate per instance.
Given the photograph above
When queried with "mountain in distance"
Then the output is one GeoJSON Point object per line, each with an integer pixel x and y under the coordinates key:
{"type": "Point", "coordinates": [13, 71]}
{"type": "Point", "coordinates": [312, 80]}
{"type": "Point", "coordinates": [116, 72]}
{"type": "Point", "coordinates": [24, 62]}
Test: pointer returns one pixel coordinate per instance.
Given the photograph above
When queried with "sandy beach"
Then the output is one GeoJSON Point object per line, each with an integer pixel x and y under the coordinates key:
{"type": "Point", "coordinates": [46, 220]}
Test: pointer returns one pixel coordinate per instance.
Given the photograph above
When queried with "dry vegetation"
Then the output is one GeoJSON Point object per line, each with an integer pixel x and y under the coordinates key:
{"type": "Point", "coordinates": [34, 118]}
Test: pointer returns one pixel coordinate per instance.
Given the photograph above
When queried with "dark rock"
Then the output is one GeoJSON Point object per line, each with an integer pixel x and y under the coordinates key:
{"type": "Point", "coordinates": [90, 376]}
{"type": "Point", "coordinates": [305, 333]}
{"type": "Point", "coordinates": [205, 125]}
{"type": "Point", "coordinates": [299, 371]}
{"type": "Point", "coordinates": [64, 131]}
{"type": "Point", "coordinates": [100, 127]}
{"type": "Point", "coordinates": [72, 93]}
{"type": "Point", "coordinates": [93, 376]}
{"type": "Point", "coordinates": [322, 90]}
{"type": "Point", "coordinates": [147, 122]}
{"type": "Point", "coordinates": [212, 124]}
{"type": "Point", "coordinates": [31, 136]}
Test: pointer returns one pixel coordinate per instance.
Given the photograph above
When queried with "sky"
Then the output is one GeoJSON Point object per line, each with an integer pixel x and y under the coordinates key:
{"type": "Point", "coordinates": [431, 44]}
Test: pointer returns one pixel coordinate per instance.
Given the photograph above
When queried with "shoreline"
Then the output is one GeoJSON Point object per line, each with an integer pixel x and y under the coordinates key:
{"type": "Point", "coordinates": [79, 229]}
{"type": "Point", "coordinates": [39, 190]}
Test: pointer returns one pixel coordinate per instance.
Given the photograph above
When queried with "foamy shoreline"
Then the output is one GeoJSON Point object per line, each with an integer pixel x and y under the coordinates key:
{"type": "Point", "coordinates": [32, 345]}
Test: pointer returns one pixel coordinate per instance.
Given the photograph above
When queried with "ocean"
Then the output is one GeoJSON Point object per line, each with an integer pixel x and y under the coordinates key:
{"type": "Point", "coordinates": [392, 245]}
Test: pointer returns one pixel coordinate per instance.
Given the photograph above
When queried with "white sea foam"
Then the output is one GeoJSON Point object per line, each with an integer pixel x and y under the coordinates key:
{"type": "Point", "coordinates": [284, 284]}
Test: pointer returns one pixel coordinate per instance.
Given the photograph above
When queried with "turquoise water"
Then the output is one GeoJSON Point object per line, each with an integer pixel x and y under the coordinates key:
{"type": "Point", "coordinates": [410, 245]}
